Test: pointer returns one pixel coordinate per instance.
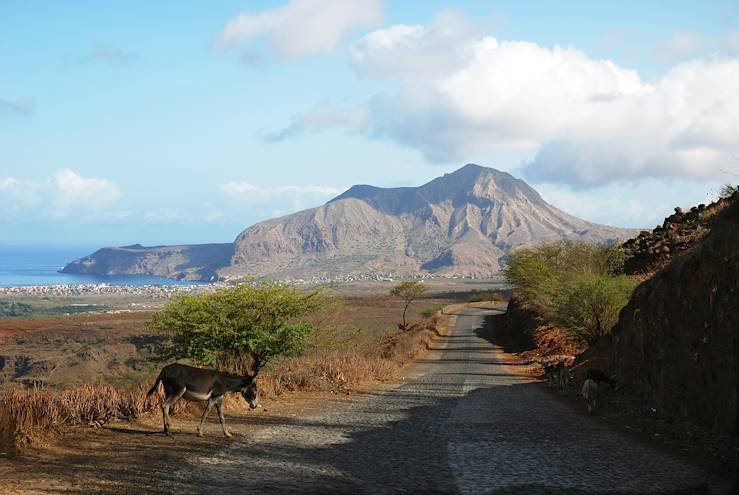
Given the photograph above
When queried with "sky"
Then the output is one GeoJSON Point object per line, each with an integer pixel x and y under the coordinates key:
{"type": "Point", "coordinates": [185, 122]}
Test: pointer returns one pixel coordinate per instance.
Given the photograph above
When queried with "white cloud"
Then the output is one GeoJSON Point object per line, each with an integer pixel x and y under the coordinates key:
{"type": "Point", "coordinates": [300, 27]}
{"type": "Point", "coordinates": [323, 117]}
{"type": "Point", "coordinates": [63, 193]}
{"type": "Point", "coordinates": [579, 120]}
{"type": "Point", "coordinates": [267, 202]}
{"type": "Point", "coordinates": [245, 192]}
{"type": "Point", "coordinates": [641, 205]}
{"type": "Point", "coordinates": [416, 51]}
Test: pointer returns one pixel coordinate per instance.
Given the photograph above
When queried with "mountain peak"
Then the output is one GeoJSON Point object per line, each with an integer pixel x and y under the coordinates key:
{"type": "Point", "coordinates": [471, 179]}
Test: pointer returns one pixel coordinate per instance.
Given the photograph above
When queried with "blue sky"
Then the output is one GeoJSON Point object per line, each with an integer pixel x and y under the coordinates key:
{"type": "Point", "coordinates": [174, 122]}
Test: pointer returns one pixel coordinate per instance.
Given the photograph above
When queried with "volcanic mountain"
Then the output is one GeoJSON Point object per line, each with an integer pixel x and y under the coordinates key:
{"type": "Point", "coordinates": [461, 224]}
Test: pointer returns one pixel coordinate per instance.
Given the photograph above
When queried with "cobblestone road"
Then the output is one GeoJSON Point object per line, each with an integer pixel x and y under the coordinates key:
{"type": "Point", "coordinates": [462, 424]}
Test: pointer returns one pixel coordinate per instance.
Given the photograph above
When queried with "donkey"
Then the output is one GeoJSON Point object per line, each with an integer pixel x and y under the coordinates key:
{"type": "Point", "coordinates": [198, 384]}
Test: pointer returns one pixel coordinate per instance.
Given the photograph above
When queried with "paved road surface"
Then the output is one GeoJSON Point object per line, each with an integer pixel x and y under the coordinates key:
{"type": "Point", "coordinates": [463, 424]}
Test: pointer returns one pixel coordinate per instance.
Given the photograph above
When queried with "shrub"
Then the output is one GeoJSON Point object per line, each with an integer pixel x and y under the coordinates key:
{"type": "Point", "coordinates": [727, 190]}
{"type": "Point", "coordinates": [577, 285]}
{"type": "Point", "coordinates": [431, 310]}
{"type": "Point", "coordinates": [588, 305]}
{"type": "Point", "coordinates": [488, 295]}
{"type": "Point", "coordinates": [232, 326]}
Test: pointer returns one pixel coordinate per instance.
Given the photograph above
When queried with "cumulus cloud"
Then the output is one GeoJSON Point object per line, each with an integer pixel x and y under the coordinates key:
{"type": "Point", "coordinates": [416, 51]}
{"type": "Point", "coordinates": [19, 107]}
{"type": "Point", "coordinates": [61, 194]}
{"type": "Point", "coordinates": [300, 27]}
{"type": "Point", "coordinates": [582, 121]}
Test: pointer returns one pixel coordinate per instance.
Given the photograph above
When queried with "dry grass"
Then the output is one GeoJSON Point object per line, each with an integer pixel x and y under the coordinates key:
{"type": "Point", "coordinates": [334, 369]}
{"type": "Point", "coordinates": [29, 413]}
{"type": "Point", "coordinates": [341, 356]}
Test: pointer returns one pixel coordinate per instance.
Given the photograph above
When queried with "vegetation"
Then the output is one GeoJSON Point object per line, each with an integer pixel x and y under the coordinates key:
{"type": "Point", "coordinates": [352, 344]}
{"type": "Point", "coordinates": [237, 326]}
{"type": "Point", "coordinates": [13, 309]}
{"type": "Point", "coordinates": [431, 310]}
{"type": "Point", "coordinates": [489, 295]}
{"type": "Point", "coordinates": [408, 291]}
{"type": "Point", "coordinates": [578, 285]}
{"type": "Point", "coordinates": [25, 412]}
{"type": "Point", "coordinates": [727, 190]}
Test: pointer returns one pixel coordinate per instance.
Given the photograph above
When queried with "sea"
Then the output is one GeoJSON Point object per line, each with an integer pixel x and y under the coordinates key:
{"type": "Point", "coordinates": [40, 265]}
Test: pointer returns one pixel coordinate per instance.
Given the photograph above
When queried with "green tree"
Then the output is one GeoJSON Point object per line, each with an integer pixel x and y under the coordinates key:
{"type": "Point", "coordinates": [236, 326]}
{"type": "Point", "coordinates": [408, 291]}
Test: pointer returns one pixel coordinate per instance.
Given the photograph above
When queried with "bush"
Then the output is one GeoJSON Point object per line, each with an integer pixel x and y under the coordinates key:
{"type": "Point", "coordinates": [727, 191]}
{"type": "Point", "coordinates": [488, 295]}
{"type": "Point", "coordinates": [588, 305]}
{"type": "Point", "coordinates": [431, 310]}
{"type": "Point", "coordinates": [578, 285]}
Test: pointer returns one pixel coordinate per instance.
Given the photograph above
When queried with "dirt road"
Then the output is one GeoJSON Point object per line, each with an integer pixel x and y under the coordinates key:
{"type": "Point", "coordinates": [463, 422]}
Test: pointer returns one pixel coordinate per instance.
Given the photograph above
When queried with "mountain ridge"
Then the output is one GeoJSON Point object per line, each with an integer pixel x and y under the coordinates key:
{"type": "Point", "coordinates": [463, 223]}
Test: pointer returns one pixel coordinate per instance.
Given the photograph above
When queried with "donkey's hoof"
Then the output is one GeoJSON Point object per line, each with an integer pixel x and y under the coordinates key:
{"type": "Point", "coordinates": [200, 433]}
{"type": "Point", "coordinates": [227, 434]}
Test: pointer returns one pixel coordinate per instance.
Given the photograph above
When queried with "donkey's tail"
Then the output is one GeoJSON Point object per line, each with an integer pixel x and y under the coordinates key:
{"type": "Point", "coordinates": [156, 384]}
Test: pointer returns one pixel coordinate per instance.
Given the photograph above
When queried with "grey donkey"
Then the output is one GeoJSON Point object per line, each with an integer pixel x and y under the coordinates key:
{"type": "Point", "coordinates": [199, 384]}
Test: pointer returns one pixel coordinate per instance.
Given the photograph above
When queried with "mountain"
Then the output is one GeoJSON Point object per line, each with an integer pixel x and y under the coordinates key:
{"type": "Point", "coordinates": [461, 224]}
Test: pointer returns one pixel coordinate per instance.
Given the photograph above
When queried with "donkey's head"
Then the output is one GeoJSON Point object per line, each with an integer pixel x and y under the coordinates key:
{"type": "Point", "coordinates": [249, 391]}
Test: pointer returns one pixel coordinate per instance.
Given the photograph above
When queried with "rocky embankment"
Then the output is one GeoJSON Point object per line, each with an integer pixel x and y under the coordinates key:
{"type": "Point", "coordinates": [677, 340]}
{"type": "Point", "coordinates": [650, 251]}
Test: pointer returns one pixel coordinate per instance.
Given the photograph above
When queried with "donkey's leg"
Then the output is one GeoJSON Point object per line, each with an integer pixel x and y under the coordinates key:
{"type": "Point", "coordinates": [219, 407]}
{"type": "Point", "coordinates": [205, 413]}
{"type": "Point", "coordinates": [166, 404]}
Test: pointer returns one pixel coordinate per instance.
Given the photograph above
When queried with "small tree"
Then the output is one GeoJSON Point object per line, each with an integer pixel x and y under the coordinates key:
{"type": "Point", "coordinates": [232, 326]}
{"type": "Point", "coordinates": [408, 291]}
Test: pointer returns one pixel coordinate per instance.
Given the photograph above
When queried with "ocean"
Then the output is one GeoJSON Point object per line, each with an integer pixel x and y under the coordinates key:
{"type": "Point", "coordinates": [39, 265]}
